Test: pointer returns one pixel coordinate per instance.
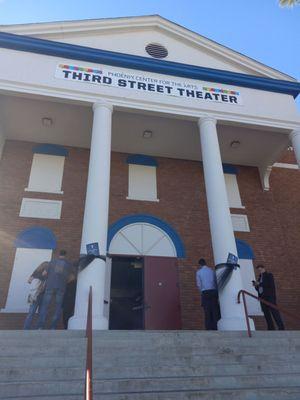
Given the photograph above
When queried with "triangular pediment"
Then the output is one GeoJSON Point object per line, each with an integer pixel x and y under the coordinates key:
{"type": "Point", "coordinates": [131, 36]}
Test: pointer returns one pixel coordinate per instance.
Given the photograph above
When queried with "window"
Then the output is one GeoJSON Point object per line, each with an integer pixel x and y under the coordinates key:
{"type": "Point", "coordinates": [142, 178]}
{"type": "Point", "coordinates": [47, 168]}
{"type": "Point", "coordinates": [246, 256]}
{"type": "Point", "coordinates": [34, 246]}
{"type": "Point", "coordinates": [26, 261]}
{"type": "Point", "coordinates": [240, 223]}
{"type": "Point", "coordinates": [40, 208]}
{"type": "Point", "coordinates": [233, 192]}
{"type": "Point", "coordinates": [248, 275]}
{"type": "Point", "coordinates": [46, 173]}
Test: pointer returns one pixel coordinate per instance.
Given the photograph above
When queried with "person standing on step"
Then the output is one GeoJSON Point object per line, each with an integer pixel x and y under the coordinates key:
{"type": "Point", "coordinates": [207, 283]}
{"type": "Point", "coordinates": [57, 276]}
{"type": "Point", "coordinates": [265, 287]}
{"type": "Point", "coordinates": [38, 280]}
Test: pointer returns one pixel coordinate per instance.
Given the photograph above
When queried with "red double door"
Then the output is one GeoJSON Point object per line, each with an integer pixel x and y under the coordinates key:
{"type": "Point", "coordinates": [161, 293]}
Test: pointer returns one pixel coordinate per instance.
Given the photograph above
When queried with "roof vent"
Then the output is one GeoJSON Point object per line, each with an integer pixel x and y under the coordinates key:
{"type": "Point", "coordinates": [156, 50]}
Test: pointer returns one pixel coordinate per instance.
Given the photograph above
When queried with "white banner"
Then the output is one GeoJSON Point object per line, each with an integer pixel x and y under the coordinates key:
{"type": "Point", "coordinates": [148, 83]}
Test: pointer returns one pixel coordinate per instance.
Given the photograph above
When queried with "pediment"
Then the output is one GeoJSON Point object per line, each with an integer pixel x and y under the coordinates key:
{"type": "Point", "coordinates": [131, 35]}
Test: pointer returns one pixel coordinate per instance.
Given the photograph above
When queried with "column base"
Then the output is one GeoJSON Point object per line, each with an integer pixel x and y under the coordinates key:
{"type": "Point", "coordinates": [235, 324]}
{"type": "Point", "coordinates": [79, 323]}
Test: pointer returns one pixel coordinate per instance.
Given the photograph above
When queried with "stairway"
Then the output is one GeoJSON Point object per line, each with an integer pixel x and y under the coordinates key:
{"type": "Point", "coordinates": [152, 365]}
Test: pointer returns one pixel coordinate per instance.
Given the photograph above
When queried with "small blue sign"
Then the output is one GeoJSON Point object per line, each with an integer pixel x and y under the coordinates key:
{"type": "Point", "coordinates": [93, 248]}
{"type": "Point", "coordinates": [232, 259]}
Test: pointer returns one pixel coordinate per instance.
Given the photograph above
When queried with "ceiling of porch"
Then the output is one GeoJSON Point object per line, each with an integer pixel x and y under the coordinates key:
{"type": "Point", "coordinates": [21, 119]}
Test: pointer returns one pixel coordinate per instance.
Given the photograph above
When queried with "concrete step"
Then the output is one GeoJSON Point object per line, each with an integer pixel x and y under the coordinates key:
{"type": "Point", "coordinates": [171, 370]}
{"type": "Point", "coordinates": [21, 374]}
{"type": "Point", "coordinates": [41, 388]}
{"type": "Point", "coordinates": [61, 361]}
{"type": "Point", "coordinates": [229, 394]}
{"type": "Point", "coordinates": [7, 334]}
{"type": "Point", "coordinates": [143, 386]}
{"type": "Point", "coordinates": [194, 383]}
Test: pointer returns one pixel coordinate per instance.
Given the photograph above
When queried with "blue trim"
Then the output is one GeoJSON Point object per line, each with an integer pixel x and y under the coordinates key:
{"type": "Point", "coordinates": [230, 169]}
{"type": "Point", "coordinates": [36, 237]}
{"type": "Point", "coordinates": [131, 219]}
{"type": "Point", "coordinates": [75, 52]}
{"type": "Point", "coordinates": [141, 159]}
{"type": "Point", "coordinates": [245, 251]}
{"type": "Point", "coordinates": [52, 149]}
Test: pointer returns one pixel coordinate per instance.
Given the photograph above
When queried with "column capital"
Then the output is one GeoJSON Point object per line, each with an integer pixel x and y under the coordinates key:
{"type": "Point", "coordinates": [102, 104]}
{"type": "Point", "coordinates": [207, 119]}
{"type": "Point", "coordinates": [294, 133]}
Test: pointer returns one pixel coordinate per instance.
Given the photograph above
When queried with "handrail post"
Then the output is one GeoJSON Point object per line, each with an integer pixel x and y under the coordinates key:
{"type": "Point", "coordinates": [89, 349]}
{"type": "Point", "coordinates": [246, 314]}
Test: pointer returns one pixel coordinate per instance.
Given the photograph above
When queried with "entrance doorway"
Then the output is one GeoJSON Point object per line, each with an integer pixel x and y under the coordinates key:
{"type": "Point", "coordinates": [144, 293]}
{"type": "Point", "coordinates": [126, 293]}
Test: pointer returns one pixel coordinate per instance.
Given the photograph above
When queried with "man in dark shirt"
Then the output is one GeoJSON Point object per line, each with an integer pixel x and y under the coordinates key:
{"type": "Point", "coordinates": [57, 275]}
{"type": "Point", "coordinates": [265, 287]}
{"type": "Point", "coordinates": [35, 298]}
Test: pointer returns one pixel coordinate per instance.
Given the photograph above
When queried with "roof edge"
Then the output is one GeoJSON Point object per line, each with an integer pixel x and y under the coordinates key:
{"type": "Point", "coordinates": [155, 20]}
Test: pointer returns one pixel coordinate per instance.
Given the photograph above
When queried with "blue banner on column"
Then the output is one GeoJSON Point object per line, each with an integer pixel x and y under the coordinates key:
{"type": "Point", "coordinates": [93, 248]}
{"type": "Point", "coordinates": [232, 259]}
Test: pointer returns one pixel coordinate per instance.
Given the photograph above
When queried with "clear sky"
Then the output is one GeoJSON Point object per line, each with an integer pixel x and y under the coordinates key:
{"type": "Point", "coordinates": [257, 28]}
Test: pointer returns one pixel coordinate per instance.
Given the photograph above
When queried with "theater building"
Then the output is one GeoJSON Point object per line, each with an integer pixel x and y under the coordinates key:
{"type": "Point", "coordinates": [158, 144]}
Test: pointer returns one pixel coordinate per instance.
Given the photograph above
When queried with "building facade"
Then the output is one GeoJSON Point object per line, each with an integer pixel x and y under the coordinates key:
{"type": "Point", "coordinates": [159, 145]}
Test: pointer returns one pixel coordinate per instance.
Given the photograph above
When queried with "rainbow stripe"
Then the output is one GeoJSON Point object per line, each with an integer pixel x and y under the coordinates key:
{"type": "Point", "coordinates": [83, 69]}
{"type": "Point", "coordinates": [226, 91]}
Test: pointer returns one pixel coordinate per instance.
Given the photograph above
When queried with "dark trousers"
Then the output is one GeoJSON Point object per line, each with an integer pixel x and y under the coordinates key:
{"type": "Point", "coordinates": [210, 304]}
{"type": "Point", "coordinates": [270, 312]}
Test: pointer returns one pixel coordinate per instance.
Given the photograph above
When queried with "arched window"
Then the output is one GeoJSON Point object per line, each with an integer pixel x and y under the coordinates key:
{"type": "Point", "coordinates": [144, 235]}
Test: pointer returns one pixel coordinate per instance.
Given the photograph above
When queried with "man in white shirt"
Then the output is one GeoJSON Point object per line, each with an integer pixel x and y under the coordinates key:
{"type": "Point", "coordinates": [207, 284]}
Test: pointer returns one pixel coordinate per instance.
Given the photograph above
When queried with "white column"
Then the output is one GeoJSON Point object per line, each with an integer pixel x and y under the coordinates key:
{"type": "Point", "coordinates": [95, 222]}
{"type": "Point", "coordinates": [295, 139]}
{"type": "Point", "coordinates": [222, 235]}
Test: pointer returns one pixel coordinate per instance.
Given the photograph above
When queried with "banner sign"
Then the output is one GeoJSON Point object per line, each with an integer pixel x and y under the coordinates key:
{"type": "Point", "coordinates": [148, 83]}
{"type": "Point", "coordinates": [232, 259]}
{"type": "Point", "coordinates": [93, 248]}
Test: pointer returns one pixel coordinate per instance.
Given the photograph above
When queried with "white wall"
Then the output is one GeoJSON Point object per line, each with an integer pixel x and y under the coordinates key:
{"type": "Point", "coordinates": [39, 71]}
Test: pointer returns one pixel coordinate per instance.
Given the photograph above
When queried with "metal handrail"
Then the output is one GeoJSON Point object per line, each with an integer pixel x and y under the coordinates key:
{"type": "Point", "coordinates": [244, 292]}
{"type": "Point", "coordinates": [88, 391]}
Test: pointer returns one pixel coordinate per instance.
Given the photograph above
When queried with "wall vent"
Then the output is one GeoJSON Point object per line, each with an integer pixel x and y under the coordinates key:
{"type": "Point", "coordinates": [156, 50]}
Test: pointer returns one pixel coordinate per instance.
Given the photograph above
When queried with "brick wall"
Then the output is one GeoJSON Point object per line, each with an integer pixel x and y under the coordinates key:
{"type": "Point", "coordinates": [273, 218]}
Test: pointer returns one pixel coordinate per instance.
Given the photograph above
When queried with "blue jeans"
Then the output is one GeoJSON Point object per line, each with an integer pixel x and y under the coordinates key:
{"type": "Point", "coordinates": [32, 310]}
{"type": "Point", "coordinates": [59, 295]}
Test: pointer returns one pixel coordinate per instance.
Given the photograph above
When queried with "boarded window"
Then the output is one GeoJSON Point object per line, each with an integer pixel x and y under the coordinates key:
{"type": "Point", "coordinates": [248, 275]}
{"type": "Point", "coordinates": [26, 261]}
{"type": "Point", "coordinates": [233, 192]}
{"type": "Point", "coordinates": [142, 183]}
{"type": "Point", "coordinates": [46, 173]}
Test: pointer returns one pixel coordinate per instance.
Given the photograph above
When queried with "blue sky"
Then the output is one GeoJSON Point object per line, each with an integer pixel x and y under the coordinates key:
{"type": "Point", "coordinates": [258, 28]}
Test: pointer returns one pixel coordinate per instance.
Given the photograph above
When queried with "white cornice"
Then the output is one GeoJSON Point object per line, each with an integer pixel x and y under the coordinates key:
{"type": "Point", "coordinates": [77, 96]}
{"type": "Point", "coordinates": [63, 29]}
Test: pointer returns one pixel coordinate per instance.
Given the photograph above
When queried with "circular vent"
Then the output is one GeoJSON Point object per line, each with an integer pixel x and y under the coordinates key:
{"type": "Point", "coordinates": [156, 50]}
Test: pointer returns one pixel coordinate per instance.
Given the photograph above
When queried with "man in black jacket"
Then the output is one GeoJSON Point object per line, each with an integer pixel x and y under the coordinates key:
{"type": "Point", "coordinates": [265, 287]}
